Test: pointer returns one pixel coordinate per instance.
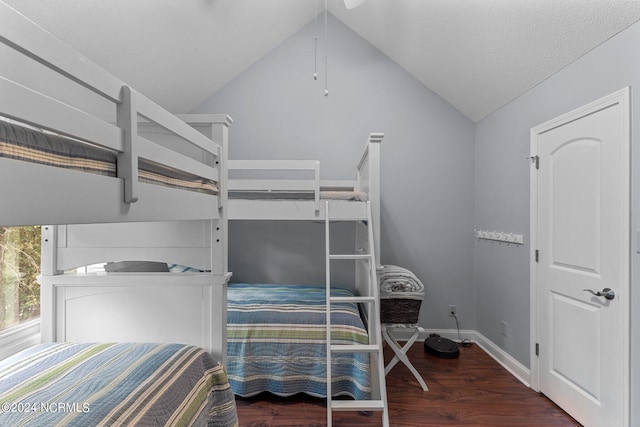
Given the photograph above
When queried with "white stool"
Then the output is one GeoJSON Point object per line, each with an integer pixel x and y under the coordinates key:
{"type": "Point", "coordinates": [401, 352]}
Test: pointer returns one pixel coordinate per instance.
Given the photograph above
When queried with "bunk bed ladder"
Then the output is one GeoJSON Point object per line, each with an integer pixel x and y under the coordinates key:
{"type": "Point", "coordinates": [378, 401]}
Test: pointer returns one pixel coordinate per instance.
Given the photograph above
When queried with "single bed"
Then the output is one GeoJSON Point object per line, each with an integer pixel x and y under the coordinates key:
{"type": "Point", "coordinates": [65, 384]}
{"type": "Point", "coordinates": [153, 308]}
{"type": "Point", "coordinates": [276, 341]}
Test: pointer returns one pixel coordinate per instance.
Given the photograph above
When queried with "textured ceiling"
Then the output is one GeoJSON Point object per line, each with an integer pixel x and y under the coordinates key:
{"type": "Point", "coordinates": [476, 54]}
{"type": "Point", "coordinates": [481, 54]}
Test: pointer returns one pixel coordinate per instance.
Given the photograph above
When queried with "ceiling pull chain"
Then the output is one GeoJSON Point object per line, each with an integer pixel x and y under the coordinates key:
{"type": "Point", "coordinates": [315, 47]}
{"type": "Point", "coordinates": [326, 49]}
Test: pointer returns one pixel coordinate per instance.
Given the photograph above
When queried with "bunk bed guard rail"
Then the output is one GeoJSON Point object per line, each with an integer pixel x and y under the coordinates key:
{"type": "Point", "coordinates": [277, 185]}
{"type": "Point", "coordinates": [31, 107]}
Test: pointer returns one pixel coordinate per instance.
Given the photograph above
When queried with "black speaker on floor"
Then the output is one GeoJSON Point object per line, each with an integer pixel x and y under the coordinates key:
{"type": "Point", "coordinates": [441, 347]}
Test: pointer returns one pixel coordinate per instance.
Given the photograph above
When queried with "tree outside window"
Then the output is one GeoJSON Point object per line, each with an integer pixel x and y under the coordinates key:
{"type": "Point", "coordinates": [19, 268]}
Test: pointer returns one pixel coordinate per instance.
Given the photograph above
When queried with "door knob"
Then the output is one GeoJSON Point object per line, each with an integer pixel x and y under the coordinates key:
{"type": "Point", "coordinates": [606, 292]}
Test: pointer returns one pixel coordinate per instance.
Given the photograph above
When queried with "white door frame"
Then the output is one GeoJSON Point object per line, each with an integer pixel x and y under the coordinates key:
{"type": "Point", "coordinates": [622, 97]}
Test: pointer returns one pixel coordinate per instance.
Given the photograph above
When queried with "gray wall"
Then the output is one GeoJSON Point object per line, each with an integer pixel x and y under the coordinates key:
{"type": "Point", "coordinates": [502, 190]}
{"type": "Point", "coordinates": [279, 111]}
{"type": "Point", "coordinates": [432, 172]}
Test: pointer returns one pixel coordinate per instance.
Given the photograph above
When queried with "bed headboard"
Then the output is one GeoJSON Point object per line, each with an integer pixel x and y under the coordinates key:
{"type": "Point", "coordinates": [196, 244]}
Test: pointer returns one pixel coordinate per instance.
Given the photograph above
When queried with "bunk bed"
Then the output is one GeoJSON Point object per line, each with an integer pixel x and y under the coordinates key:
{"type": "Point", "coordinates": [277, 334]}
{"type": "Point", "coordinates": [293, 190]}
{"type": "Point", "coordinates": [134, 184]}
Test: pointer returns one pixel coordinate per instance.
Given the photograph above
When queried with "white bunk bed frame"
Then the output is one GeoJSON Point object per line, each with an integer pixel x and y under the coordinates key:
{"type": "Point", "coordinates": [367, 180]}
{"type": "Point", "coordinates": [99, 218]}
{"type": "Point", "coordinates": [366, 213]}
{"type": "Point", "coordinates": [54, 192]}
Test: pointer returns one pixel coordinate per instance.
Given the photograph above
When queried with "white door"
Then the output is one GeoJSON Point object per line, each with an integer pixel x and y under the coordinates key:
{"type": "Point", "coordinates": [580, 226]}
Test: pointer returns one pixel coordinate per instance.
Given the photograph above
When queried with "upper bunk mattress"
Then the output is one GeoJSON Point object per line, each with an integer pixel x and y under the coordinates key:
{"type": "Point", "coordinates": [357, 196]}
{"type": "Point", "coordinates": [21, 143]}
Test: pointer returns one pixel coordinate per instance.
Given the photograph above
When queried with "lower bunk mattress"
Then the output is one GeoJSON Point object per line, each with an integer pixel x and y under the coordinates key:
{"type": "Point", "coordinates": [276, 342]}
{"type": "Point", "coordinates": [66, 384]}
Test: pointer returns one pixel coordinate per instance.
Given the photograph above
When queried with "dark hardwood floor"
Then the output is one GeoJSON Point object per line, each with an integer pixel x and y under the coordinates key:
{"type": "Point", "coordinates": [472, 390]}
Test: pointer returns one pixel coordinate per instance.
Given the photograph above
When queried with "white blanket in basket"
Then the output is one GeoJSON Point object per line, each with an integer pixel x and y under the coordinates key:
{"type": "Point", "coordinates": [398, 282]}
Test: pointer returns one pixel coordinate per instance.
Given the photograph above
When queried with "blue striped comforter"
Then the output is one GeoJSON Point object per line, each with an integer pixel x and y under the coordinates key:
{"type": "Point", "coordinates": [65, 384]}
{"type": "Point", "coordinates": [276, 342]}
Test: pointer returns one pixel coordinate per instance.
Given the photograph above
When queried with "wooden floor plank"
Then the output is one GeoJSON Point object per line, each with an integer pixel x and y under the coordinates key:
{"type": "Point", "coordinates": [472, 390]}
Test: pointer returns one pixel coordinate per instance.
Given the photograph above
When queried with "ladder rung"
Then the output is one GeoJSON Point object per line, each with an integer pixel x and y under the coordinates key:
{"type": "Point", "coordinates": [357, 405]}
{"type": "Point", "coordinates": [350, 256]}
{"type": "Point", "coordinates": [352, 299]}
{"type": "Point", "coordinates": [355, 348]}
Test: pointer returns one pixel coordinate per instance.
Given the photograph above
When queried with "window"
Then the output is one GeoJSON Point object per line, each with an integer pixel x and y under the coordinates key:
{"type": "Point", "coordinates": [19, 267]}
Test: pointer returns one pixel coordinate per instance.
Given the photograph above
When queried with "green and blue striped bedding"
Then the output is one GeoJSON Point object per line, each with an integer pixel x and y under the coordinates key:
{"type": "Point", "coordinates": [66, 384]}
{"type": "Point", "coordinates": [276, 342]}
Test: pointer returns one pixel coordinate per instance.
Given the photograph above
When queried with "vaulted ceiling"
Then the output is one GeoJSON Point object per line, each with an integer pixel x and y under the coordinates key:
{"type": "Point", "coordinates": [476, 54]}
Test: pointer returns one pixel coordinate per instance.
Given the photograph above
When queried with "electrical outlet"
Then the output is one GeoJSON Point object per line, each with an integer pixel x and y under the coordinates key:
{"type": "Point", "coordinates": [452, 311]}
{"type": "Point", "coordinates": [503, 327]}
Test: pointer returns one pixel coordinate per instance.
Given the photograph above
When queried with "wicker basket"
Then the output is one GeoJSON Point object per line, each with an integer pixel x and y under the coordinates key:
{"type": "Point", "coordinates": [399, 310]}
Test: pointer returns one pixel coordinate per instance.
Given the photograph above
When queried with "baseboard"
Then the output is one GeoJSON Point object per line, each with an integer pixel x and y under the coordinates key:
{"type": "Point", "coordinates": [514, 367]}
